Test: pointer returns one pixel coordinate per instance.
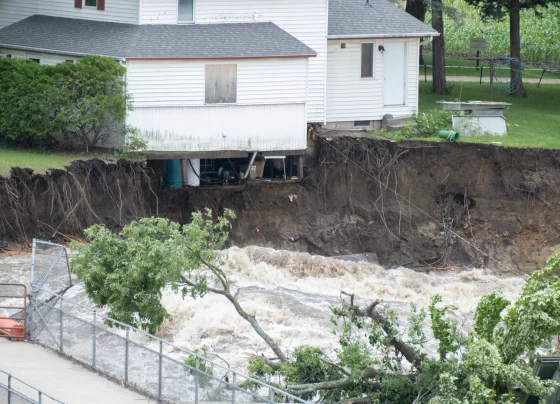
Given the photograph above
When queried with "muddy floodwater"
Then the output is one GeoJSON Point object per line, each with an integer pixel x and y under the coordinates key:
{"type": "Point", "coordinates": [291, 294]}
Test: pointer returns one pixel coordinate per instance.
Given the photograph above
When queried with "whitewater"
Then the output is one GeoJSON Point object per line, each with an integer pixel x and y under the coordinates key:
{"type": "Point", "coordinates": [291, 294]}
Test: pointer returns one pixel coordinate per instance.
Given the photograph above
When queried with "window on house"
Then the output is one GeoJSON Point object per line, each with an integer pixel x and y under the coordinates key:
{"type": "Point", "coordinates": [221, 84]}
{"type": "Point", "coordinates": [69, 61]}
{"type": "Point", "coordinates": [367, 60]}
{"type": "Point", "coordinates": [91, 3]}
{"type": "Point", "coordinates": [35, 60]}
{"type": "Point", "coordinates": [186, 10]}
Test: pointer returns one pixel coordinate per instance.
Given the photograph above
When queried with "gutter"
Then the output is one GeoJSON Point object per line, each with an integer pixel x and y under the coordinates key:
{"type": "Point", "coordinates": [55, 52]}
{"type": "Point", "coordinates": [366, 36]}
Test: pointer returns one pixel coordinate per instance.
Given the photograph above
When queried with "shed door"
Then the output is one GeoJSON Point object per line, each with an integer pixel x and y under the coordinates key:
{"type": "Point", "coordinates": [394, 61]}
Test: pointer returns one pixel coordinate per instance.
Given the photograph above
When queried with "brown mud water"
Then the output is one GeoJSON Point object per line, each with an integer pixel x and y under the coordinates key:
{"type": "Point", "coordinates": [414, 204]}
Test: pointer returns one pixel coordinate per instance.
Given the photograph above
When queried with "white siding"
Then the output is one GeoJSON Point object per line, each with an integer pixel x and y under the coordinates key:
{"type": "Point", "coordinates": [304, 19]}
{"type": "Point", "coordinates": [181, 83]}
{"type": "Point", "coordinates": [222, 127]}
{"type": "Point", "coordinates": [158, 12]}
{"type": "Point", "coordinates": [169, 109]}
{"type": "Point", "coordinates": [352, 98]}
{"type": "Point", "coordinates": [115, 10]}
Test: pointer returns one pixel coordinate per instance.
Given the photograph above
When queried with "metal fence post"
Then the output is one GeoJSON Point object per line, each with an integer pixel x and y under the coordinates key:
{"type": "Point", "coordinates": [160, 367]}
{"type": "Point", "coordinates": [33, 252]}
{"type": "Point", "coordinates": [234, 388]}
{"type": "Point", "coordinates": [40, 397]}
{"type": "Point", "coordinates": [126, 355]}
{"type": "Point", "coordinates": [61, 326]}
{"type": "Point", "coordinates": [94, 347]}
{"type": "Point", "coordinates": [270, 395]}
{"type": "Point", "coordinates": [9, 389]}
{"type": "Point", "coordinates": [196, 380]}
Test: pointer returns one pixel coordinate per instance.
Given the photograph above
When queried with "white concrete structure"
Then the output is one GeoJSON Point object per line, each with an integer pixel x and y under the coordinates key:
{"type": "Point", "coordinates": [338, 62]}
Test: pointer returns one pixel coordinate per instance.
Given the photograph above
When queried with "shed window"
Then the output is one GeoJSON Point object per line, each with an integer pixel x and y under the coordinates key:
{"type": "Point", "coordinates": [367, 60]}
{"type": "Point", "coordinates": [91, 3]}
{"type": "Point", "coordinates": [221, 84]}
{"type": "Point", "coordinates": [186, 10]}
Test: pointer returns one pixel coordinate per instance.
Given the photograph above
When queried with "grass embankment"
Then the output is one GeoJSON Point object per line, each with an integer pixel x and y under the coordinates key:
{"type": "Point", "coordinates": [531, 122]}
{"type": "Point", "coordinates": [468, 68]}
{"type": "Point", "coordinates": [38, 161]}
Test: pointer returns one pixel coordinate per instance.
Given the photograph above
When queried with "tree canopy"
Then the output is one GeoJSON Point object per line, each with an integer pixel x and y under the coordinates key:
{"type": "Point", "coordinates": [380, 358]}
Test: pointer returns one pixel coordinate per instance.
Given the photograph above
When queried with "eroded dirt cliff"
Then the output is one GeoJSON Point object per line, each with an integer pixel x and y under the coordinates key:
{"type": "Point", "coordinates": [414, 204]}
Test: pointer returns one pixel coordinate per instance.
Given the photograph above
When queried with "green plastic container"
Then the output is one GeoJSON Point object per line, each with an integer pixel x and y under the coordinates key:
{"type": "Point", "coordinates": [450, 135]}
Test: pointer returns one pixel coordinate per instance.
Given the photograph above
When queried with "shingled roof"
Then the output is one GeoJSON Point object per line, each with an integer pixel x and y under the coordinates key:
{"type": "Point", "coordinates": [197, 41]}
{"type": "Point", "coordinates": [371, 19]}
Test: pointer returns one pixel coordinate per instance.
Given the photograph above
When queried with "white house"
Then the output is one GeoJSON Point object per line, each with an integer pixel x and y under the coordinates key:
{"type": "Point", "coordinates": [216, 77]}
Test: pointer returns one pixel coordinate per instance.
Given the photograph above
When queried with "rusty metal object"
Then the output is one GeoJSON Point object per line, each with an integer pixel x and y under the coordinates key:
{"type": "Point", "coordinates": [14, 328]}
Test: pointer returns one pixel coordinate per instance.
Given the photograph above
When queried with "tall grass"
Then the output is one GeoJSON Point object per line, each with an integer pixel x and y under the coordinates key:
{"type": "Point", "coordinates": [540, 34]}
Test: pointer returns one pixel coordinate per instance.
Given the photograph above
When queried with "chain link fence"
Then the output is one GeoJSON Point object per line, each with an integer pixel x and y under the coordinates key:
{"type": "Point", "coordinates": [16, 391]}
{"type": "Point", "coordinates": [131, 357]}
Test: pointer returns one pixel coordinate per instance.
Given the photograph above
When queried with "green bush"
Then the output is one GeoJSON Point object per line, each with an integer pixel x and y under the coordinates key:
{"type": "Point", "coordinates": [427, 124]}
{"type": "Point", "coordinates": [84, 101]}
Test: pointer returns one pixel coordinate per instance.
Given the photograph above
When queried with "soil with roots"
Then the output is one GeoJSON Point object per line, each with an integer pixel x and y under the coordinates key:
{"type": "Point", "coordinates": [415, 204]}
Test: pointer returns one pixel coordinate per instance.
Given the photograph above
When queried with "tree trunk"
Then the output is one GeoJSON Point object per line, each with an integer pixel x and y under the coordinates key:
{"type": "Point", "coordinates": [256, 326]}
{"type": "Point", "coordinates": [417, 9]}
{"type": "Point", "coordinates": [439, 83]}
{"type": "Point", "coordinates": [515, 49]}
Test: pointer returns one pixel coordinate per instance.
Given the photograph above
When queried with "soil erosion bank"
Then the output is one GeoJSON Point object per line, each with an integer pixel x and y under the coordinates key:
{"type": "Point", "coordinates": [497, 201]}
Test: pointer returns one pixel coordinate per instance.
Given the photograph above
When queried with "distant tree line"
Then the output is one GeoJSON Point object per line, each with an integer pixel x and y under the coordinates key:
{"type": "Point", "coordinates": [78, 104]}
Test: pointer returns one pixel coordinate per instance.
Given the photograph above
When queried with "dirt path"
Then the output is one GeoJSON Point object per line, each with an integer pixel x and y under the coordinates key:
{"type": "Point", "coordinates": [473, 79]}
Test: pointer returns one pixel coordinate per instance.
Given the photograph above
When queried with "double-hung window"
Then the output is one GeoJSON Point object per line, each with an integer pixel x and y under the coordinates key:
{"type": "Point", "coordinates": [186, 10]}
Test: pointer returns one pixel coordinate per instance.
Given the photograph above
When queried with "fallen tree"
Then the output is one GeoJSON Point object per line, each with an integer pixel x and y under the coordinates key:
{"type": "Point", "coordinates": [380, 359]}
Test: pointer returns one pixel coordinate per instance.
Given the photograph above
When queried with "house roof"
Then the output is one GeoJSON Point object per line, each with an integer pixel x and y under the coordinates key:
{"type": "Point", "coordinates": [373, 19]}
{"type": "Point", "coordinates": [197, 41]}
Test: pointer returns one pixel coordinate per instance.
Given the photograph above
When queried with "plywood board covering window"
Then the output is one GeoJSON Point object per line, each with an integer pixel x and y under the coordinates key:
{"type": "Point", "coordinates": [221, 84]}
{"type": "Point", "coordinates": [367, 60]}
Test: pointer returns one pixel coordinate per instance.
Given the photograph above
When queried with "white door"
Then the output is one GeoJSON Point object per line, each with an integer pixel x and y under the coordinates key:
{"type": "Point", "coordinates": [394, 62]}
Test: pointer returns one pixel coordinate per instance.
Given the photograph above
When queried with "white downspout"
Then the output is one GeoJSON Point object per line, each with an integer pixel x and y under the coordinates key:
{"type": "Point", "coordinates": [325, 66]}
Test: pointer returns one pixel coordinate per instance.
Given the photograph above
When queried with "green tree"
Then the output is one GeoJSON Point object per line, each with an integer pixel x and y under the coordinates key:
{"type": "Point", "coordinates": [379, 359]}
{"type": "Point", "coordinates": [85, 101]}
{"type": "Point", "coordinates": [500, 9]}
{"type": "Point", "coordinates": [97, 101]}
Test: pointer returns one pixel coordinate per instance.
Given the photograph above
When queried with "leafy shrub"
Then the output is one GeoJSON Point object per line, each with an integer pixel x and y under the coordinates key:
{"type": "Point", "coordinates": [84, 101]}
{"type": "Point", "coordinates": [134, 145]}
{"type": "Point", "coordinates": [427, 124]}
{"type": "Point", "coordinates": [203, 365]}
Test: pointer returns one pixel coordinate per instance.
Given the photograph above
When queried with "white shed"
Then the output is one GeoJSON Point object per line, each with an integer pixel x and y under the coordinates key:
{"type": "Point", "coordinates": [372, 62]}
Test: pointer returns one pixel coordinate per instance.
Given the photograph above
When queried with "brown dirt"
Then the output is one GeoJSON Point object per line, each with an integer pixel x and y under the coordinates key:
{"type": "Point", "coordinates": [502, 201]}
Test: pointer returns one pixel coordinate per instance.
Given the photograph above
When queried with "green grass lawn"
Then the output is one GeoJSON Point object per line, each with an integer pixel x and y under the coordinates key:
{"type": "Point", "coordinates": [40, 162]}
{"type": "Point", "coordinates": [533, 121]}
{"type": "Point", "coordinates": [469, 69]}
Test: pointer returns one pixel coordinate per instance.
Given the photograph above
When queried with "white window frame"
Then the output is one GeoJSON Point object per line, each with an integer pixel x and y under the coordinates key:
{"type": "Point", "coordinates": [372, 60]}
{"type": "Point", "coordinates": [193, 14]}
{"type": "Point", "coordinates": [95, 7]}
